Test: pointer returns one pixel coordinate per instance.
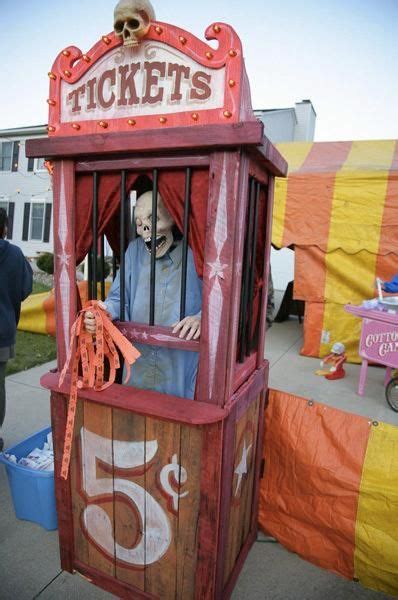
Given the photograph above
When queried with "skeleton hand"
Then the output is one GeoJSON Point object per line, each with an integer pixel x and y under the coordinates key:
{"type": "Point", "coordinates": [189, 327]}
{"type": "Point", "coordinates": [89, 320]}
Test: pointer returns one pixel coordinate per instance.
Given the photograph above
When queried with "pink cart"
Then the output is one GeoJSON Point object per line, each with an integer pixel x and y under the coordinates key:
{"type": "Point", "coordinates": [379, 341]}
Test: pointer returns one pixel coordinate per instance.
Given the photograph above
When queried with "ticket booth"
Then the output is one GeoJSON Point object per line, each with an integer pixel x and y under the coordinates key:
{"type": "Point", "coordinates": [161, 497]}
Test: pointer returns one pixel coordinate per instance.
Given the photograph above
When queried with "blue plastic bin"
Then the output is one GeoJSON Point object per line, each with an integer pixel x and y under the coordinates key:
{"type": "Point", "coordinates": [32, 491]}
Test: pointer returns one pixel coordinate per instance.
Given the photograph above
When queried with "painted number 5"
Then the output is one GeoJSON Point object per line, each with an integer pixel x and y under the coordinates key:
{"type": "Point", "coordinates": [156, 535]}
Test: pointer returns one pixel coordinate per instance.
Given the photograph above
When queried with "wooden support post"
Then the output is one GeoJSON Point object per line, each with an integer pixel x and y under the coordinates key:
{"type": "Point", "coordinates": [64, 254]}
{"type": "Point", "coordinates": [217, 277]}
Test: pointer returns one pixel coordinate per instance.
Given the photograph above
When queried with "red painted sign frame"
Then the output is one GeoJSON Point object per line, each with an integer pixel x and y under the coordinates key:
{"type": "Point", "coordinates": [71, 64]}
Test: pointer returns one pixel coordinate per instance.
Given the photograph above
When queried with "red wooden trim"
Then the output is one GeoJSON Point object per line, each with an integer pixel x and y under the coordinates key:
{"type": "Point", "coordinates": [63, 495]}
{"type": "Point", "coordinates": [225, 506]}
{"type": "Point", "coordinates": [268, 155]}
{"type": "Point", "coordinates": [160, 162]}
{"type": "Point", "coordinates": [110, 584]}
{"type": "Point", "coordinates": [254, 385]}
{"type": "Point", "coordinates": [243, 370]}
{"type": "Point", "coordinates": [155, 335]}
{"type": "Point", "coordinates": [239, 232]}
{"type": "Point", "coordinates": [267, 259]}
{"type": "Point", "coordinates": [70, 66]}
{"type": "Point", "coordinates": [217, 277]}
{"type": "Point", "coordinates": [151, 140]}
{"type": "Point", "coordinates": [228, 589]}
{"type": "Point", "coordinates": [64, 255]}
{"type": "Point", "coordinates": [258, 172]}
{"type": "Point", "coordinates": [259, 459]}
{"type": "Point", "coordinates": [210, 484]}
{"type": "Point", "coordinates": [143, 402]}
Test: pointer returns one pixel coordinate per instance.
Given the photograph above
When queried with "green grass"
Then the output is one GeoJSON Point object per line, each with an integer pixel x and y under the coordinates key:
{"type": "Point", "coordinates": [40, 287]}
{"type": "Point", "coordinates": [32, 349]}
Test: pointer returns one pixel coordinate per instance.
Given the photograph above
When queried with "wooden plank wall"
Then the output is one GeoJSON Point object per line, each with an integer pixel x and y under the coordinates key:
{"type": "Point", "coordinates": [145, 475]}
{"type": "Point", "coordinates": [241, 494]}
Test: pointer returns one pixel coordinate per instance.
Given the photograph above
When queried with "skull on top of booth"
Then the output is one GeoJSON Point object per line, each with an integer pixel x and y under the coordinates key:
{"type": "Point", "coordinates": [164, 225]}
{"type": "Point", "coordinates": [132, 19]}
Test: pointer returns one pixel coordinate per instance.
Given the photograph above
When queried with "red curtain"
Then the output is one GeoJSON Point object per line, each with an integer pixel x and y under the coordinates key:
{"type": "Point", "coordinates": [171, 186]}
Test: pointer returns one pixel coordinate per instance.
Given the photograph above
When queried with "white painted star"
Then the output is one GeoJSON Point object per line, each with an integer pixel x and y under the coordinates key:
{"type": "Point", "coordinates": [217, 269]}
{"type": "Point", "coordinates": [63, 259]}
{"type": "Point", "coordinates": [241, 469]}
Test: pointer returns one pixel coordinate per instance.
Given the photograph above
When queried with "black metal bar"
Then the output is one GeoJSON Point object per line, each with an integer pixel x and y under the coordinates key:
{"type": "Point", "coordinates": [153, 247]}
{"type": "Point", "coordinates": [187, 209]}
{"type": "Point", "coordinates": [252, 270]}
{"type": "Point", "coordinates": [113, 266]}
{"type": "Point", "coordinates": [95, 235]}
{"type": "Point", "coordinates": [102, 266]}
{"type": "Point", "coordinates": [246, 274]}
{"type": "Point", "coordinates": [89, 276]}
{"type": "Point", "coordinates": [133, 230]}
{"type": "Point", "coordinates": [122, 242]}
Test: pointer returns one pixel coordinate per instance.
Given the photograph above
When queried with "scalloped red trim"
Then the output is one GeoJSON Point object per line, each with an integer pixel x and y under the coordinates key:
{"type": "Point", "coordinates": [71, 64]}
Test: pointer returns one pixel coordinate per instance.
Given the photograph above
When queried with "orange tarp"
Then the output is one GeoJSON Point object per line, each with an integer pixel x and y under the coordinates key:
{"type": "Point", "coordinates": [309, 497]}
{"type": "Point", "coordinates": [330, 489]}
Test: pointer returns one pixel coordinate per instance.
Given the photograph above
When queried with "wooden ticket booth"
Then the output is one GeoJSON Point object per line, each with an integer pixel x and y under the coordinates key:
{"type": "Point", "coordinates": [161, 498]}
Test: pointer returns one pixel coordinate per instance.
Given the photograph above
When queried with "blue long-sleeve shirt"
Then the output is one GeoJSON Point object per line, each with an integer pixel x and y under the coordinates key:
{"type": "Point", "coordinates": [163, 369]}
{"type": "Point", "coordinates": [16, 284]}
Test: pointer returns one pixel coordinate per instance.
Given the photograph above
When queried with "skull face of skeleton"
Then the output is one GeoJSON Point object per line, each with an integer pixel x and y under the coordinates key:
{"type": "Point", "coordinates": [164, 226]}
{"type": "Point", "coordinates": [132, 19]}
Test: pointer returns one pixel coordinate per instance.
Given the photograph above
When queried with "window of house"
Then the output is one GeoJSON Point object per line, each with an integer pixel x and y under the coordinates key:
{"type": "Point", "coordinates": [40, 164]}
{"type": "Point", "coordinates": [36, 164]}
{"type": "Point", "coordinates": [9, 208]}
{"type": "Point", "coordinates": [36, 221]}
{"type": "Point", "coordinates": [9, 156]}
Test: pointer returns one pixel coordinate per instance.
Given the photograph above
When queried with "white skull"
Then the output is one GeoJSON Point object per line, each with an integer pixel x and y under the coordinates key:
{"type": "Point", "coordinates": [132, 19]}
{"type": "Point", "coordinates": [164, 227]}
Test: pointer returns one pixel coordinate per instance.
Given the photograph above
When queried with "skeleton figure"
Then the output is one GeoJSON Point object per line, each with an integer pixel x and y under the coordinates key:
{"type": "Point", "coordinates": [166, 370]}
{"type": "Point", "coordinates": [132, 19]}
{"type": "Point", "coordinates": [164, 225]}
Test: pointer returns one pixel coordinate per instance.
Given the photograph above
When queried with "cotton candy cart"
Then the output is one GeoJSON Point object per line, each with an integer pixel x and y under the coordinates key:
{"type": "Point", "coordinates": [379, 341]}
{"type": "Point", "coordinates": [161, 498]}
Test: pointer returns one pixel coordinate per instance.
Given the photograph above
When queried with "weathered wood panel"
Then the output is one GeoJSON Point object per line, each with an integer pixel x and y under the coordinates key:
{"type": "Point", "coordinates": [62, 487]}
{"type": "Point", "coordinates": [77, 488]}
{"type": "Point", "coordinates": [161, 508]}
{"type": "Point", "coordinates": [129, 429]}
{"type": "Point", "coordinates": [97, 470]}
{"type": "Point", "coordinates": [210, 482]}
{"type": "Point", "coordinates": [242, 485]}
{"type": "Point", "coordinates": [188, 512]}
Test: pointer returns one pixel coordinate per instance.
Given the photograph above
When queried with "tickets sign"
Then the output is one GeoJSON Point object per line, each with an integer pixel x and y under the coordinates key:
{"type": "Point", "coordinates": [171, 78]}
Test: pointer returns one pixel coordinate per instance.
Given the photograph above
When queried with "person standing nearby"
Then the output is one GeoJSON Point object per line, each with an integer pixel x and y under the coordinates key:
{"type": "Point", "coordinates": [16, 284]}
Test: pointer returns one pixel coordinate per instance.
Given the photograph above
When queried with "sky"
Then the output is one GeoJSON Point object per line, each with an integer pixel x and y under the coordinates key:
{"type": "Point", "coordinates": [340, 54]}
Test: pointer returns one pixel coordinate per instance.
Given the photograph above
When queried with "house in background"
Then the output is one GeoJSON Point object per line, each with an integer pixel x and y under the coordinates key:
{"type": "Point", "coordinates": [25, 192]}
{"type": "Point", "coordinates": [296, 124]}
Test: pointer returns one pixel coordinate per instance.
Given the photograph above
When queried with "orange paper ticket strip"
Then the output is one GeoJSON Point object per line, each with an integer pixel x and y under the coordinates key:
{"type": "Point", "coordinates": [91, 353]}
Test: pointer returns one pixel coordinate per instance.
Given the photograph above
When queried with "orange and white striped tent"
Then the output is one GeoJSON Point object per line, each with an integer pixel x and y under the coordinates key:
{"type": "Point", "coordinates": [338, 208]}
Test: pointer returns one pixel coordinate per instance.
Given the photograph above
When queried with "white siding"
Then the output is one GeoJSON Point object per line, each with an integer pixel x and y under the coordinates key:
{"type": "Point", "coordinates": [25, 186]}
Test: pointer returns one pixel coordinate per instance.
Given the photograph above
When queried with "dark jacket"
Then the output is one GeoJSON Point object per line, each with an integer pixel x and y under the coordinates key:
{"type": "Point", "coordinates": [15, 285]}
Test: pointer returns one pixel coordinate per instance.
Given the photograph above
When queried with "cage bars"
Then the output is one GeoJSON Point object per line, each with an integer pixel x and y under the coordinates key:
{"type": "Point", "coordinates": [187, 209]}
{"type": "Point", "coordinates": [153, 247]}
